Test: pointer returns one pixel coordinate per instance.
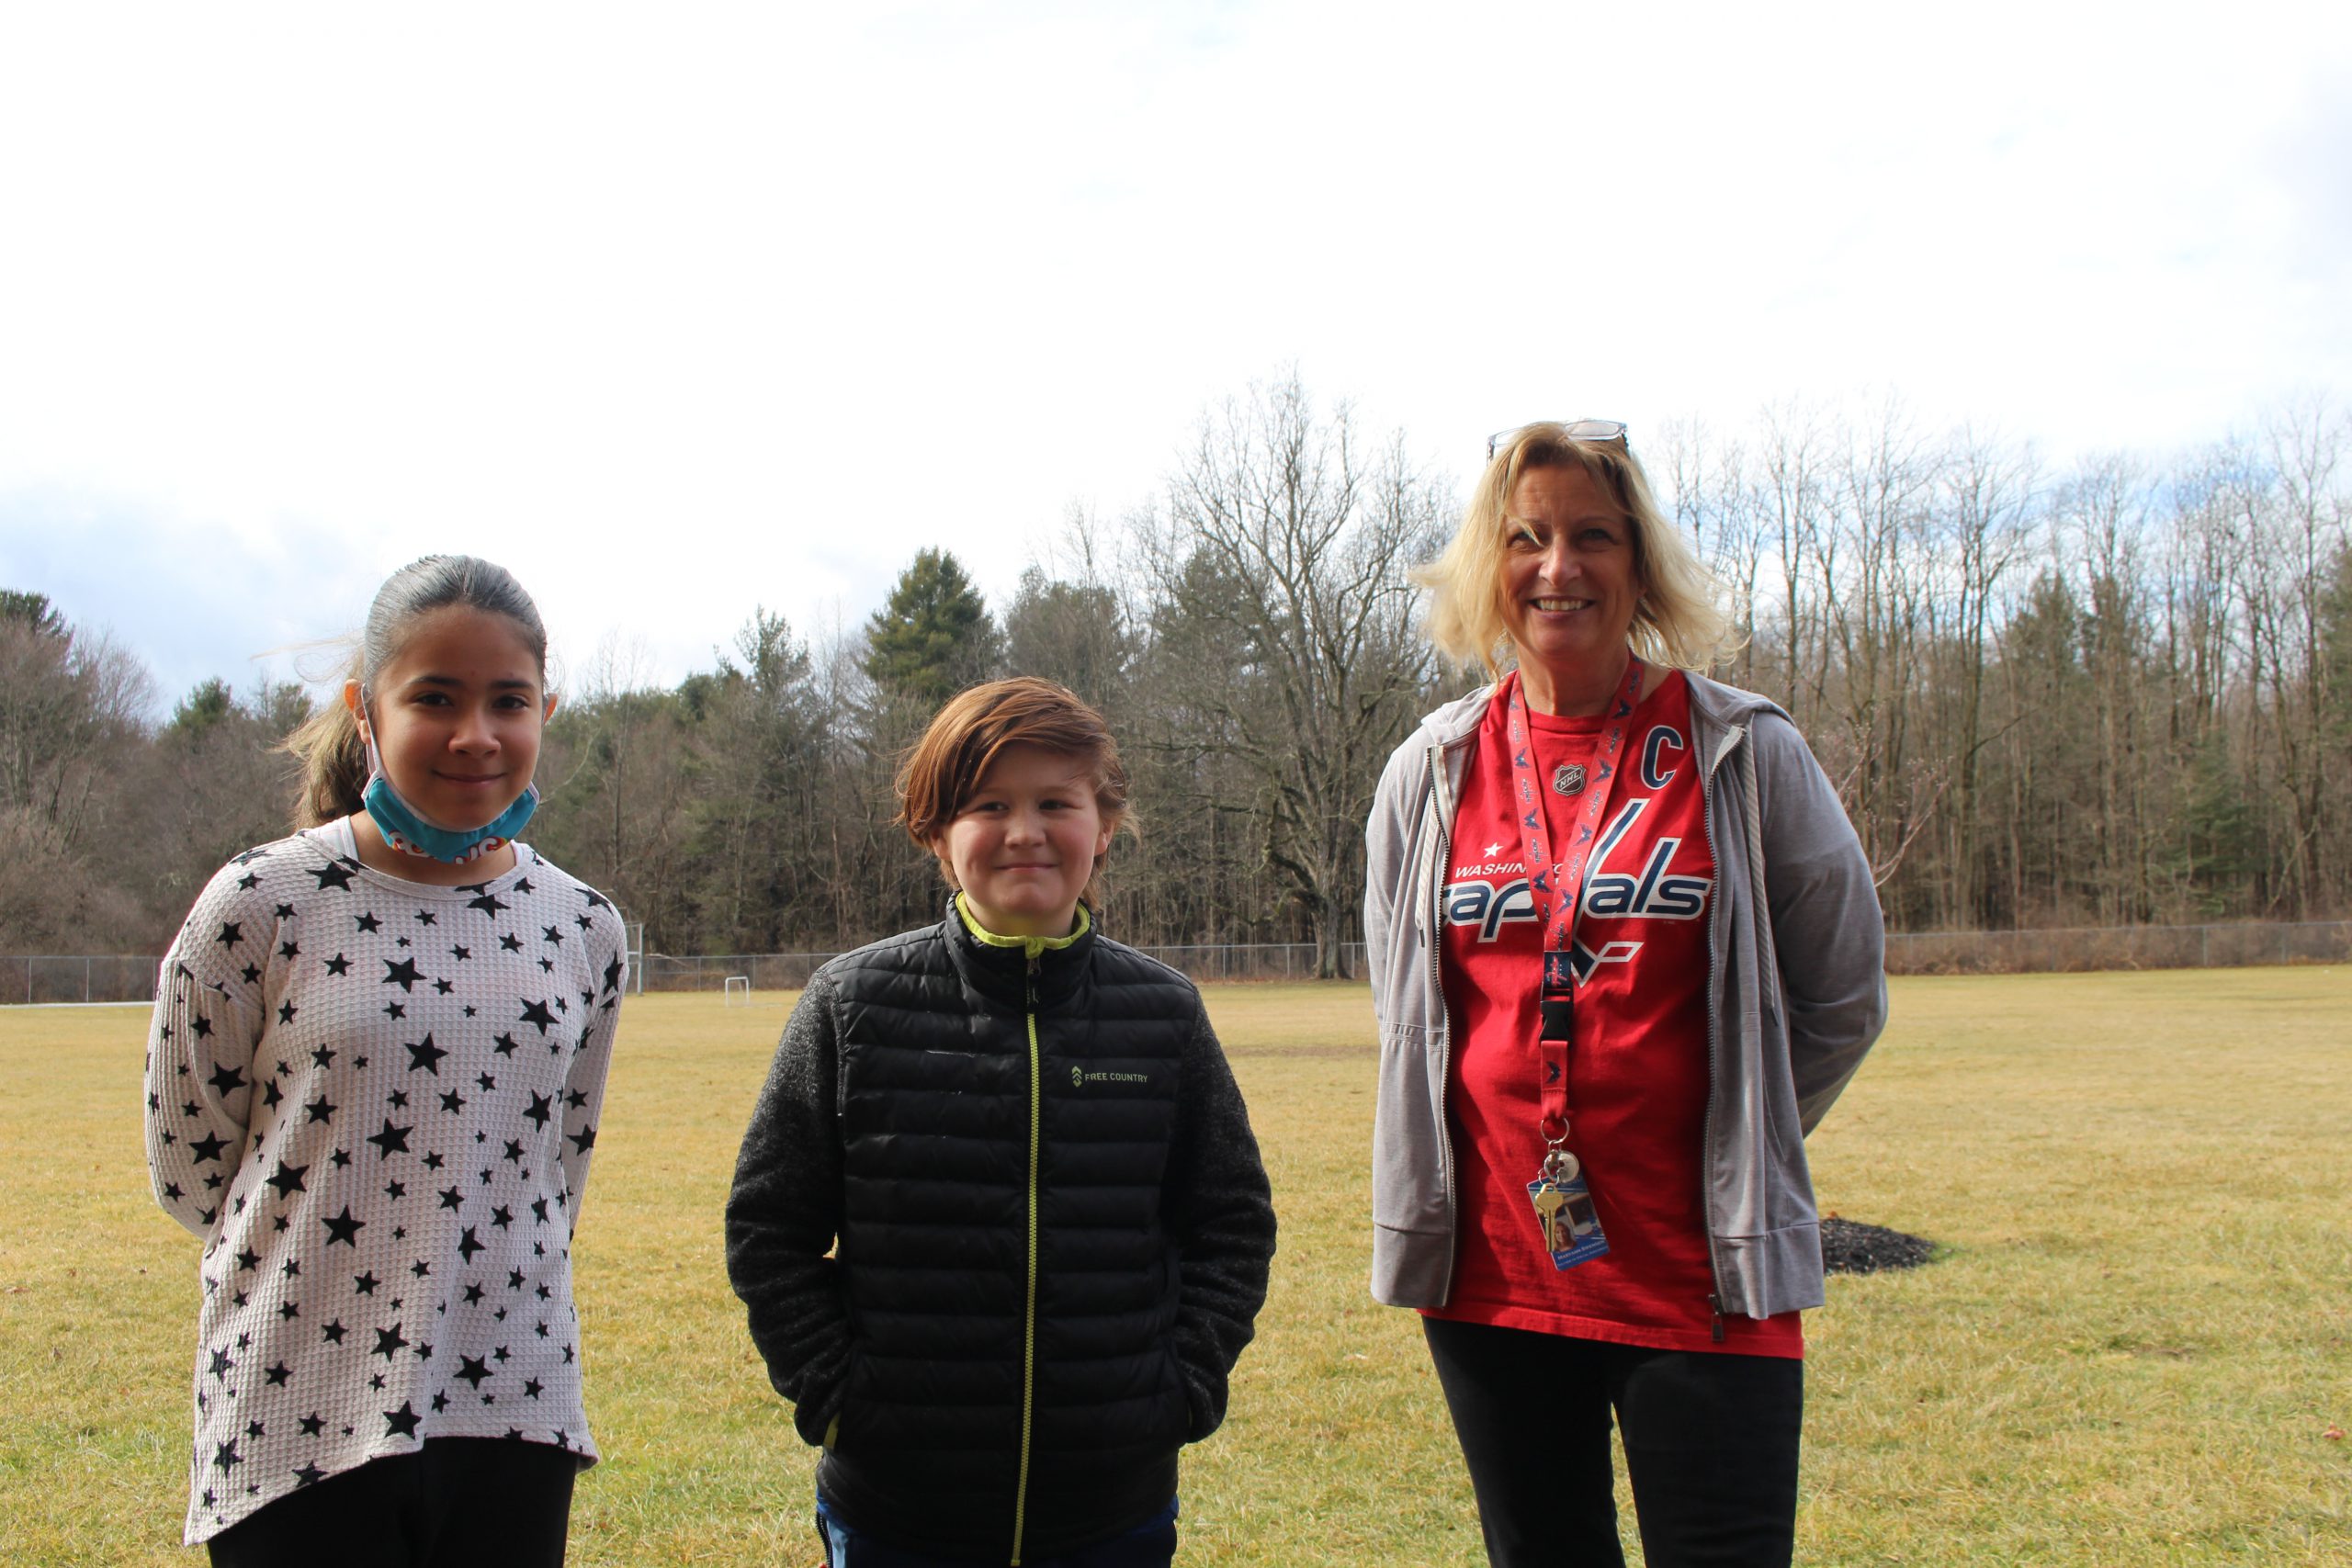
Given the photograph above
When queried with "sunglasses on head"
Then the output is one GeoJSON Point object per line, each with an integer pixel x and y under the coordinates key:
{"type": "Point", "coordinates": [1575, 430]}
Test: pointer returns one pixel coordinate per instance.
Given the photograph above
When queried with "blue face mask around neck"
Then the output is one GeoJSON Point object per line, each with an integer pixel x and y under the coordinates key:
{"type": "Point", "coordinates": [405, 828]}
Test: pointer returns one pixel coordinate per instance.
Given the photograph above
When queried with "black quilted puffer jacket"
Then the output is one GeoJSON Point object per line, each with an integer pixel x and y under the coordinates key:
{"type": "Point", "coordinates": [1001, 1228]}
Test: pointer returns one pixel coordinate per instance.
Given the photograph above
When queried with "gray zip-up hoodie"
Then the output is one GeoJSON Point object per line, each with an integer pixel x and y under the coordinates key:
{"type": "Point", "coordinates": [1794, 1001]}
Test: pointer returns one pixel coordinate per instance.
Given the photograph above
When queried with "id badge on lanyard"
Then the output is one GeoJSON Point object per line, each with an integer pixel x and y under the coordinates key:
{"type": "Point", "coordinates": [1564, 1215]}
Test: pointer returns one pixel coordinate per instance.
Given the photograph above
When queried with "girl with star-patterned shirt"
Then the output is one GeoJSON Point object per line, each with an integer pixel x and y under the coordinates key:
{"type": "Point", "coordinates": [373, 1084]}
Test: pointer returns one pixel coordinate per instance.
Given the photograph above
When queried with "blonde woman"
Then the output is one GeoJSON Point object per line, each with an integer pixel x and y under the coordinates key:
{"type": "Point", "coordinates": [1625, 952]}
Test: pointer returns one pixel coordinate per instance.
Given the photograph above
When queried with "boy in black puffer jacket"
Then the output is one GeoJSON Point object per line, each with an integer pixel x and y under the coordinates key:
{"type": "Point", "coordinates": [1000, 1219]}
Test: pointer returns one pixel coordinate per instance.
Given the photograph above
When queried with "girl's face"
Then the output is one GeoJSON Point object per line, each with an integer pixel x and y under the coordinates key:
{"type": "Point", "coordinates": [1023, 843]}
{"type": "Point", "coordinates": [456, 716]}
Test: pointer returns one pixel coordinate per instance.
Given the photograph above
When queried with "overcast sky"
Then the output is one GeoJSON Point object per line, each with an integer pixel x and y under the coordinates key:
{"type": "Point", "coordinates": [678, 310]}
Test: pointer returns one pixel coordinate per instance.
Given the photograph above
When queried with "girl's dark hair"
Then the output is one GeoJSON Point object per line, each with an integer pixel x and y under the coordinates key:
{"type": "Point", "coordinates": [941, 772]}
{"type": "Point", "coordinates": [334, 756]}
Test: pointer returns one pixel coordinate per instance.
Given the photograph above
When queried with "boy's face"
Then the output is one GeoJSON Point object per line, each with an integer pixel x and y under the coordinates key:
{"type": "Point", "coordinates": [1024, 844]}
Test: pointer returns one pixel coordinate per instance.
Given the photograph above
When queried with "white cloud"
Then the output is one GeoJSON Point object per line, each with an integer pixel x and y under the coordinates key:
{"type": "Point", "coordinates": [680, 314]}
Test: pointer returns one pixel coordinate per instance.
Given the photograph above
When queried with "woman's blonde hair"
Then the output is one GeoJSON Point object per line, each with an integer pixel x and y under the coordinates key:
{"type": "Point", "coordinates": [1677, 620]}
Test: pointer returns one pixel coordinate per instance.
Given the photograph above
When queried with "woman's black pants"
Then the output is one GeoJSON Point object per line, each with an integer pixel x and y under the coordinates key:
{"type": "Point", "coordinates": [1711, 1448]}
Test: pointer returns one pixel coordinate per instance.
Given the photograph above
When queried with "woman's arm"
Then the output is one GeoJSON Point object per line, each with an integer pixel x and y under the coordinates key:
{"type": "Point", "coordinates": [784, 1213]}
{"type": "Point", "coordinates": [1827, 930]}
{"type": "Point", "coordinates": [1388, 835]}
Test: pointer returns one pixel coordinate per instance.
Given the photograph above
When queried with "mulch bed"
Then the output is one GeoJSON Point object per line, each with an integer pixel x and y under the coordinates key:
{"type": "Point", "coordinates": [1849, 1247]}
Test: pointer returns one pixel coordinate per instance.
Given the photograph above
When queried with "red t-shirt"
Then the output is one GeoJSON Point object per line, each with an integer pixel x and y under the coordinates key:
{"type": "Point", "coordinates": [1637, 1071]}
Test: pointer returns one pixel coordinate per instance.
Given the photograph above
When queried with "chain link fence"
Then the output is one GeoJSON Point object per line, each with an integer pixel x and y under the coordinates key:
{"type": "Point", "coordinates": [790, 971]}
{"type": "Point", "coordinates": [76, 980]}
{"type": "Point", "coordinates": [2119, 947]}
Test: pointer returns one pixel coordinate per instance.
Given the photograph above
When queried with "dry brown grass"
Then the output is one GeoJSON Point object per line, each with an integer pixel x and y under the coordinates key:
{"type": "Point", "coordinates": [2130, 1353]}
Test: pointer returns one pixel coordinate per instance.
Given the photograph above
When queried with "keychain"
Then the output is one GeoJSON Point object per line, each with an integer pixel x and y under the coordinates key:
{"type": "Point", "coordinates": [1564, 1211]}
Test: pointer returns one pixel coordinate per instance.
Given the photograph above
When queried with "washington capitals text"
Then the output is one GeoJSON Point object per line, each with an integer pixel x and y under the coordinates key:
{"type": "Point", "coordinates": [1653, 890]}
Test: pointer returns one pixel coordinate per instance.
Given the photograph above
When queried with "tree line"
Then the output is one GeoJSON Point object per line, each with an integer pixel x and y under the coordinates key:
{"type": "Point", "coordinates": [2111, 693]}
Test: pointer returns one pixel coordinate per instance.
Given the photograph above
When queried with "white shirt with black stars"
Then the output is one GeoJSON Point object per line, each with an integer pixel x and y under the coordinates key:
{"type": "Point", "coordinates": [376, 1101]}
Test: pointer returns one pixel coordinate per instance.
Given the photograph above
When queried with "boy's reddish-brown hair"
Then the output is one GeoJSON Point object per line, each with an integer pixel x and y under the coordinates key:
{"type": "Point", "coordinates": [941, 770]}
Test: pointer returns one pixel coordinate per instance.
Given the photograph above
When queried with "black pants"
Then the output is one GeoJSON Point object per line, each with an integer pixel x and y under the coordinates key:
{"type": "Point", "coordinates": [455, 1502]}
{"type": "Point", "coordinates": [1711, 1448]}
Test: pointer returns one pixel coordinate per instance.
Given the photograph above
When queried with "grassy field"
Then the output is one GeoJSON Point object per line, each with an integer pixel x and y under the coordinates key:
{"type": "Point", "coordinates": [2135, 1347]}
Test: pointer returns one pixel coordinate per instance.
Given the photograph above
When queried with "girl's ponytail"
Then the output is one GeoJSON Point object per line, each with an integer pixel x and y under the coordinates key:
{"type": "Point", "coordinates": [333, 759]}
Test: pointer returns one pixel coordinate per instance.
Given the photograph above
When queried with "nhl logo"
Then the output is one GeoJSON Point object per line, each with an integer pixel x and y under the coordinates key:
{"type": "Point", "coordinates": [1568, 778]}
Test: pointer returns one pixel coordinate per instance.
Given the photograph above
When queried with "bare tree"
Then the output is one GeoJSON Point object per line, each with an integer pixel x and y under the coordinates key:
{"type": "Point", "coordinates": [2118, 692]}
{"type": "Point", "coordinates": [1986, 509]}
{"type": "Point", "coordinates": [618, 783]}
{"type": "Point", "coordinates": [1286, 543]}
{"type": "Point", "coordinates": [2298, 537]}
{"type": "Point", "coordinates": [72, 711]}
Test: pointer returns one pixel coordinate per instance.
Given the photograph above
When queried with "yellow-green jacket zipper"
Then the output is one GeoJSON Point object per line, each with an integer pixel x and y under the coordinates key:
{"type": "Point", "coordinates": [1035, 947]}
{"type": "Point", "coordinates": [1029, 1301]}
